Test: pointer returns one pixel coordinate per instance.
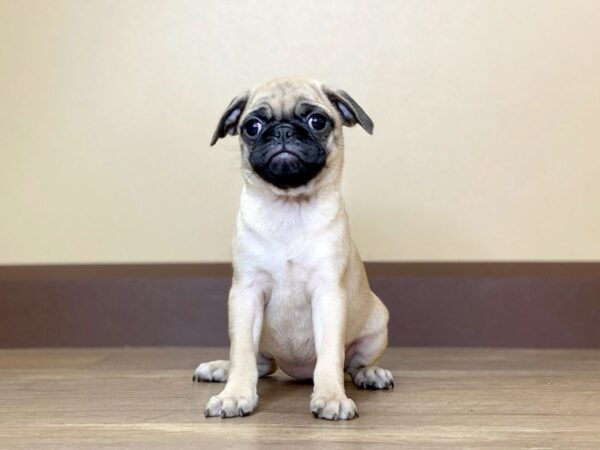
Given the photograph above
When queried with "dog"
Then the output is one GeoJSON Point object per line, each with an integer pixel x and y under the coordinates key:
{"type": "Point", "coordinates": [300, 299]}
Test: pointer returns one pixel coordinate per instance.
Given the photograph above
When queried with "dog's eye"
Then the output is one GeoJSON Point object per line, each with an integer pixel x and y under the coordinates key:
{"type": "Point", "coordinates": [317, 122]}
{"type": "Point", "coordinates": [252, 127]}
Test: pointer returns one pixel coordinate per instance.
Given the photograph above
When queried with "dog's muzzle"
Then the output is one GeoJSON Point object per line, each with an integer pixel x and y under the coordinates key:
{"type": "Point", "coordinates": [286, 159]}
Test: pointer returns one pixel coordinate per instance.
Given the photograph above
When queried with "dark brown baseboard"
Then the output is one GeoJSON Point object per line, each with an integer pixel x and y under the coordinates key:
{"type": "Point", "coordinates": [431, 304]}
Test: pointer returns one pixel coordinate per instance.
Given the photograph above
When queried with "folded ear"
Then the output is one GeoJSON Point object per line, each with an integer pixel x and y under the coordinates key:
{"type": "Point", "coordinates": [350, 111]}
{"type": "Point", "coordinates": [230, 118]}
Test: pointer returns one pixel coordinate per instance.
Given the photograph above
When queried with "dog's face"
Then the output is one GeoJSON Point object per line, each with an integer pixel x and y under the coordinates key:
{"type": "Point", "coordinates": [291, 132]}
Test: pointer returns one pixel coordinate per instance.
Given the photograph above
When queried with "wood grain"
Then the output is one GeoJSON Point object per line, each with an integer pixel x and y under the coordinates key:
{"type": "Point", "coordinates": [444, 398]}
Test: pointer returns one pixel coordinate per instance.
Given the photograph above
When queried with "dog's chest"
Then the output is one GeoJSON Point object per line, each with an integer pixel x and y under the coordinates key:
{"type": "Point", "coordinates": [288, 245]}
{"type": "Point", "coordinates": [290, 259]}
{"type": "Point", "coordinates": [287, 322]}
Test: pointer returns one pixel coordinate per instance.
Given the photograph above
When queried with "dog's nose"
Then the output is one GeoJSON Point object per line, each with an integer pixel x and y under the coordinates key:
{"type": "Point", "coordinates": [283, 132]}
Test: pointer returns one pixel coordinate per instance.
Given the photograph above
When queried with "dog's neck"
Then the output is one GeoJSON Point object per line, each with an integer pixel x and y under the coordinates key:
{"type": "Point", "coordinates": [271, 213]}
{"type": "Point", "coordinates": [301, 196]}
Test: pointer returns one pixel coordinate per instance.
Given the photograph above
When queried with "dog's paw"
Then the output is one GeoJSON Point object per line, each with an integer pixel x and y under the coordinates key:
{"type": "Point", "coordinates": [227, 405]}
{"type": "Point", "coordinates": [371, 377]}
{"type": "Point", "coordinates": [337, 407]}
{"type": "Point", "coordinates": [212, 371]}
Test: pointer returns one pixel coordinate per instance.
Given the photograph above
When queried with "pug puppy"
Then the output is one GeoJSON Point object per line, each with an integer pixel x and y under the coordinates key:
{"type": "Point", "coordinates": [300, 299]}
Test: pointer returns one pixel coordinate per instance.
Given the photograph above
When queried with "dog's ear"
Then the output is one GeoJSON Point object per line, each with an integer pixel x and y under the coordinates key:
{"type": "Point", "coordinates": [350, 111]}
{"type": "Point", "coordinates": [230, 118]}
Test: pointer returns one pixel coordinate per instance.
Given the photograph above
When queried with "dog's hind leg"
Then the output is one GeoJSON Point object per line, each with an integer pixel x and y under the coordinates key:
{"type": "Point", "coordinates": [266, 366]}
{"type": "Point", "coordinates": [218, 370]}
{"type": "Point", "coordinates": [363, 353]}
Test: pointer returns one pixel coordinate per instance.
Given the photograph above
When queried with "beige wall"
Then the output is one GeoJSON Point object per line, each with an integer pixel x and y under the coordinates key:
{"type": "Point", "coordinates": [486, 145]}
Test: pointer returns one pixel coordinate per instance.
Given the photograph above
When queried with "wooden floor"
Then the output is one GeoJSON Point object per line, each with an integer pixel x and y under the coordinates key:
{"type": "Point", "coordinates": [444, 398]}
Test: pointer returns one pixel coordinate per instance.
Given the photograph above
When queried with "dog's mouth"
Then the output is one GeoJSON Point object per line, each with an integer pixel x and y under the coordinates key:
{"type": "Point", "coordinates": [287, 166]}
{"type": "Point", "coordinates": [283, 156]}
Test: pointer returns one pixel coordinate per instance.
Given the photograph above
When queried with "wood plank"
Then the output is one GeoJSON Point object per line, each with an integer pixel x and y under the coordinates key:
{"type": "Point", "coordinates": [444, 398]}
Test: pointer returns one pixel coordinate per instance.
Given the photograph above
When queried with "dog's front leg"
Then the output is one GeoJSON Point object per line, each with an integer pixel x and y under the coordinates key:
{"type": "Point", "coordinates": [329, 400]}
{"type": "Point", "coordinates": [239, 398]}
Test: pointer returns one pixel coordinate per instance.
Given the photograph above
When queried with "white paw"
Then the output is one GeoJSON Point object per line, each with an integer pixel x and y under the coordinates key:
{"type": "Point", "coordinates": [227, 405]}
{"type": "Point", "coordinates": [338, 407]}
{"type": "Point", "coordinates": [372, 377]}
{"type": "Point", "coordinates": [212, 371]}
